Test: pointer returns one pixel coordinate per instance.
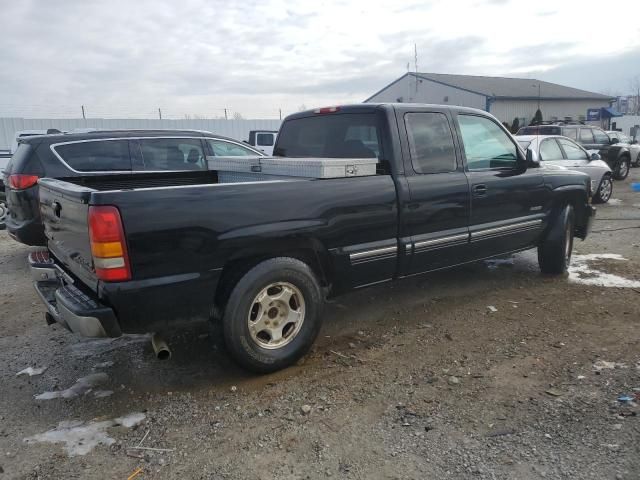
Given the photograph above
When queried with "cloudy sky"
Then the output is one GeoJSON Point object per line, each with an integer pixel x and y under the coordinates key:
{"type": "Point", "coordinates": [197, 57]}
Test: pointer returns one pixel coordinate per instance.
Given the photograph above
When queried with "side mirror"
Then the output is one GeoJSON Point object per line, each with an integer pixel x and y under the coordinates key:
{"type": "Point", "coordinates": [532, 158]}
{"type": "Point", "coordinates": [613, 141]}
{"type": "Point", "coordinates": [594, 156]}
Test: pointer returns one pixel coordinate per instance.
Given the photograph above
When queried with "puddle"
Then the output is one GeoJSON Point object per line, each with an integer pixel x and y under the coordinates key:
{"type": "Point", "coordinates": [80, 438]}
{"type": "Point", "coordinates": [581, 272]}
{"type": "Point", "coordinates": [82, 386]}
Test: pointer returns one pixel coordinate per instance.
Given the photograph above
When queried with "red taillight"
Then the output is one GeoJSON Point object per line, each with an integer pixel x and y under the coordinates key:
{"type": "Point", "coordinates": [108, 245]}
{"type": "Point", "coordinates": [20, 182]}
{"type": "Point", "coordinates": [327, 110]}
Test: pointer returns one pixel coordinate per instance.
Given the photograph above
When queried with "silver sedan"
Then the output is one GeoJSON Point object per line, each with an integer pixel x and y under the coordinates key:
{"type": "Point", "coordinates": [564, 152]}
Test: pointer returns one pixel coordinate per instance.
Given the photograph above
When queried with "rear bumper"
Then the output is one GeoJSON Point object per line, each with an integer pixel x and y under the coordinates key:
{"type": "Point", "coordinates": [67, 304]}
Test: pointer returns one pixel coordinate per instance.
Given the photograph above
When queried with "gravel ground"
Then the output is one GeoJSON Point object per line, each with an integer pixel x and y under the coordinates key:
{"type": "Point", "coordinates": [419, 379]}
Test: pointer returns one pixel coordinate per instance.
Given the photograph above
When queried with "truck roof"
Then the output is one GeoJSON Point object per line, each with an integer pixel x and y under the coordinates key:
{"type": "Point", "coordinates": [371, 107]}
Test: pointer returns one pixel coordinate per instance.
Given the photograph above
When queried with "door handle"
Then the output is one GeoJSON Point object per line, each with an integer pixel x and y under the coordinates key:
{"type": "Point", "coordinates": [479, 190]}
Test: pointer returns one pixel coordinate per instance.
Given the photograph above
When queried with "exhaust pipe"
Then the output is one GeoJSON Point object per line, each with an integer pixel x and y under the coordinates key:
{"type": "Point", "coordinates": [160, 347]}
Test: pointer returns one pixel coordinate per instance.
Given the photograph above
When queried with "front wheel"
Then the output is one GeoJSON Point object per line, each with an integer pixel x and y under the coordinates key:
{"type": "Point", "coordinates": [554, 253]}
{"type": "Point", "coordinates": [273, 315]}
{"type": "Point", "coordinates": [623, 169]}
{"type": "Point", "coordinates": [605, 190]}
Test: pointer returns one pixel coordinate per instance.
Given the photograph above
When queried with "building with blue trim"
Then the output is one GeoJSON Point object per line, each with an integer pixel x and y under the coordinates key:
{"type": "Point", "coordinates": [506, 98]}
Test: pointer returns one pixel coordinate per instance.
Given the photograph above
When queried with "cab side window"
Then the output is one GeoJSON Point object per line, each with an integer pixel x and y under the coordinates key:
{"type": "Point", "coordinates": [430, 143]}
{"type": "Point", "coordinates": [586, 136]}
{"type": "Point", "coordinates": [221, 148]}
{"type": "Point", "coordinates": [600, 136]}
{"type": "Point", "coordinates": [172, 154]}
{"type": "Point", "coordinates": [549, 150]}
{"type": "Point", "coordinates": [486, 145]}
{"type": "Point", "coordinates": [573, 151]}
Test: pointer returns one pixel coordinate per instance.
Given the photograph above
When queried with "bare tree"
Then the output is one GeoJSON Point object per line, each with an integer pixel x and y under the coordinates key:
{"type": "Point", "coordinates": [237, 116]}
{"type": "Point", "coordinates": [302, 108]}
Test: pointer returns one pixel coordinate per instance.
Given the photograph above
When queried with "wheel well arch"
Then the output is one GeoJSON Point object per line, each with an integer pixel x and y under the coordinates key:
{"type": "Point", "coordinates": [306, 249]}
{"type": "Point", "coordinates": [577, 199]}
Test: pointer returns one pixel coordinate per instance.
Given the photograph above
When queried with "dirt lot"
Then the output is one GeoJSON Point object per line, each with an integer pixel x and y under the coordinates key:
{"type": "Point", "coordinates": [419, 379]}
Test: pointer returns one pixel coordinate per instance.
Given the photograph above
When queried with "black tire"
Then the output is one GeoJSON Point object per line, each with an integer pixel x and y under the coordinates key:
{"type": "Point", "coordinates": [246, 350]}
{"type": "Point", "coordinates": [3, 215]}
{"type": "Point", "coordinates": [554, 253]}
{"type": "Point", "coordinates": [605, 190]}
{"type": "Point", "coordinates": [622, 171]}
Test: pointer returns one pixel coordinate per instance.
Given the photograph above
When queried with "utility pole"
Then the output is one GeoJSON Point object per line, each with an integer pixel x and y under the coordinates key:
{"type": "Point", "coordinates": [159, 113]}
{"type": "Point", "coordinates": [280, 110]}
{"type": "Point", "coordinates": [225, 114]}
{"type": "Point", "coordinates": [83, 115]}
{"type": "Point", "coordinates": [538, 95]}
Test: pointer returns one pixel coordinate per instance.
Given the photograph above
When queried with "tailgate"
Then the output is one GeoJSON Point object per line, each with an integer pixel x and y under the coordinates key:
{"type": "Point", "coordinates": [64, 209]}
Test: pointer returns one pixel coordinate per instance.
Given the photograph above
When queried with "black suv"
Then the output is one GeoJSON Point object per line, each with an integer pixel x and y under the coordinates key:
{"type": "Point", "coordinates": [617, 157]}
{"type": "Point", "coordinates": [98, 153]}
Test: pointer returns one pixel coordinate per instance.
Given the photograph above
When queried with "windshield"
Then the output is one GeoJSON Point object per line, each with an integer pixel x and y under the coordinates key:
{"type": "Point", "coordinates": [348, 135]}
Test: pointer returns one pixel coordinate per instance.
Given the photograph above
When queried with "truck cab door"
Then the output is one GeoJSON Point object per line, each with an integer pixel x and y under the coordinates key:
{"type": "Point", "coordinates": [435, 228]}
{"type": "Point", "coordinates": [508, 201]}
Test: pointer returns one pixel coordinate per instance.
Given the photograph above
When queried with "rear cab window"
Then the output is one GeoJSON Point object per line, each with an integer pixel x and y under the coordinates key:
{"type": "Point", "coordinates": [430, 142]}
{"type": "Point", "coordinates": [342, 135]}
{"type": "Point", "coordinates": [265, 139]}
{"type": "Point", "coordinates": [95, 156]}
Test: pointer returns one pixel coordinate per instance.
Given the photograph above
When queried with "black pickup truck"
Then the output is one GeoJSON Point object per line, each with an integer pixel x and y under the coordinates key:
{"type": "Point", "coordinates": [153, 252]}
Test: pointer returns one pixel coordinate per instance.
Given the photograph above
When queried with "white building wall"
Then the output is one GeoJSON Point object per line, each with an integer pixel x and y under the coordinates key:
{"type": "Point", "coordinates": [627, 123]}
{"type": "Point", "coordinates": [428, 92]}
{"type": "Point", "coordinates": [507, 110]}
{"type": "Point", "coordinates": [238, 129]}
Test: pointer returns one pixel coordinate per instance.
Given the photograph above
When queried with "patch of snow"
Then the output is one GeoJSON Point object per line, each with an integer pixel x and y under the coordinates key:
{"type": "Point", "coordinates": [581, 272]}
{"type": "Point", "coordinates": [494, 263]}
{"type": "Point", "coordinates": [615, 201]}
{"type": "Point", "coordinates": [81, 387]}
{"type": "Point", "coordinates": [604, 365]}
{"type": "Point", "coordinates": [31, 371]}
{"type": "Point", "coordinates": [492, 309]}
{"type": "Point", "coordinates": [102, 393]}
{"type": "Point", "coordinates": [80, 438]}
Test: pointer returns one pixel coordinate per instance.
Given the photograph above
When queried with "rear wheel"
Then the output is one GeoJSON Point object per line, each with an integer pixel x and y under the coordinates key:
{"type": "Point", "coordinates": [554, 253]}
{"type": "Point", "coordinates": [605, 190]}
{"type": "Point", "coordinates": [273, 315]}
{"type": "Point", "coordinates": [623, 169]}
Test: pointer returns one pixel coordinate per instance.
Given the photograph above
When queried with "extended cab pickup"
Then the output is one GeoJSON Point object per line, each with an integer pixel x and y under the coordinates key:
{"type": "Point", "coordinates": [154, 252]}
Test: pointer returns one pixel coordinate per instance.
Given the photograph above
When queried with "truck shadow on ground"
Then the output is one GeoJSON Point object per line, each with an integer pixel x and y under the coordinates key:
{"type": "Point", "coordinates": [200, 360]}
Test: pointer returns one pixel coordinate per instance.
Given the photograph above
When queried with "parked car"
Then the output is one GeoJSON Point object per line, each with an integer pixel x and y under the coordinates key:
{"type": "Point", "coordinates": [5, 156]}
{"type": "Point", "coordinates": [159, 252]}
{"type": "Point", "coordinates": [617, 156]}
{"type": "Point", "coordinates": [630, 143]}
{"type": "Point", "coordinates": [564, 152]}
{"type": "Point", "coordinates": [98, 153]}
{"type": "Point", "coordinates": [263, 140]}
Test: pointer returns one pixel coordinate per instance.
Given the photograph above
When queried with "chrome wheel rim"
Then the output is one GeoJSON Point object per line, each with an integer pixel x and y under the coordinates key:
{"type": "Point", "coordinates": [276, 315]}
{"type": "Point", "coordinates": [605, 189]}
{"type": "Point", "coordinates": [624, 168]}
{"type": "Point", "coordinates": [3, 212]}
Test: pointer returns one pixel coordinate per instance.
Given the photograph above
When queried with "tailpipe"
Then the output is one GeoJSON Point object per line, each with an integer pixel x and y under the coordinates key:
{"type": "Point", "coordinates": [160, 347]}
